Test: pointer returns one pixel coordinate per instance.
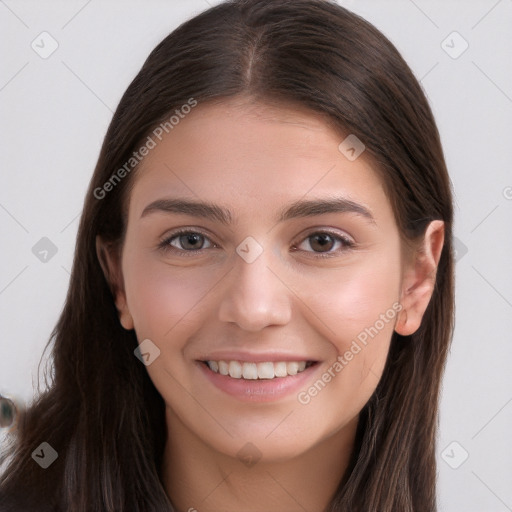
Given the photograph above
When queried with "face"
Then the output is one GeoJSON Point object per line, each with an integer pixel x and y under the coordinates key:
{"type": "Point", "coordinates": [288, 277]}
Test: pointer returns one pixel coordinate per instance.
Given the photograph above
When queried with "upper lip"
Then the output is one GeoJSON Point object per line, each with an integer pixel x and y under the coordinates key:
{"type": "Point", "coordinates": [252, 357]}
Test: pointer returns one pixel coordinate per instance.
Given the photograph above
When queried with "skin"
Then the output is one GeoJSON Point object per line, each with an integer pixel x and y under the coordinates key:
{"type": "Point", "coordinates": [254, 159]}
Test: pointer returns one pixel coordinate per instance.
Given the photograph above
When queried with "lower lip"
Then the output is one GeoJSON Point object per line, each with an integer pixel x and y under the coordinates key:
{"type": "Point", "coordinates": [258, 390]}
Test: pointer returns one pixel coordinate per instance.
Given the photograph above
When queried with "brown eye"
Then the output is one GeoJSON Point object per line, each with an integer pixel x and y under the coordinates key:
{"type": "Point", "coordinates": [323, 243]}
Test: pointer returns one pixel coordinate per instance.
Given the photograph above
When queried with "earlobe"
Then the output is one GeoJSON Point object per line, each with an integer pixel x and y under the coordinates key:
{"type": "Point", "coordinates": [419, 280]}
{"type": "Point", "coordinates": [401, 323]}
{"type": "Point", "coordinates": [125, 318]}
{"type": "Point", "coordinates": [111, 267]}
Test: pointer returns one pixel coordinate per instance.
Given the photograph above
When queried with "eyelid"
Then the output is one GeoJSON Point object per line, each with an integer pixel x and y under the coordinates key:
{"type": "Point", "coordinates": [327, 230]}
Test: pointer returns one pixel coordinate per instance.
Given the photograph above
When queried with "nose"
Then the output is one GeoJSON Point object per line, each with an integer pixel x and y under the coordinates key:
{"type": "Point", "coordinates": [255, 296]}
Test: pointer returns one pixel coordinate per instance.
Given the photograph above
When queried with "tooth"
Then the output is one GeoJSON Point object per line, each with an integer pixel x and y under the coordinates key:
{"type": "Point", "coordinates": [223, 368]}
{"type": "Point", "coordinates": [280, 369]}
{"type": "Point", "coordinates": [250, 371]}
{"type": "Point", "coordinates": [235, 369]}
{"type": "Point", "coordinates": [266, 370]}
{"type": "Point", "coordinates": [253, 371]}
{"type": "Point", "coordinates": [292, 368]}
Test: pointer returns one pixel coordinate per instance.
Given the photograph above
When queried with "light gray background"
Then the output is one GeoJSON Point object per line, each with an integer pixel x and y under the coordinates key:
{"type": "Point", "coordinates": [54, 114]}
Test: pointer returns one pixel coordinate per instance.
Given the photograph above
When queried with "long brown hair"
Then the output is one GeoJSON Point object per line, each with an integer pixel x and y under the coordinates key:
{"type": "Point", "coordinates": [101, 412]}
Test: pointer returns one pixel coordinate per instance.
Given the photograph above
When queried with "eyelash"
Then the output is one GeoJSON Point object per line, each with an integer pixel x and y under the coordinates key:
{"type": "Point", "coordinates": [165, 245]}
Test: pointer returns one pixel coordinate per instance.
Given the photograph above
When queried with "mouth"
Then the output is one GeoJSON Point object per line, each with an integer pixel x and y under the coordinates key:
{"type": "Point", "coordinates": [268, 370]}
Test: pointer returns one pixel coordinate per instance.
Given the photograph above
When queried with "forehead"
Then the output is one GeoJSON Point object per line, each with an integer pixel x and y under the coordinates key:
{"type": "Point", "coordinates": [243, 152]}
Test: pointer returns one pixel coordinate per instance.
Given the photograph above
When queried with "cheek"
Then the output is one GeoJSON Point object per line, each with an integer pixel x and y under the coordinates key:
{"type": "Point", "coordinates": [163, 300]}
{"type": "Point", "coordinates": [355, 310]}
{"type": "Point", "coordinates": [353, 298]}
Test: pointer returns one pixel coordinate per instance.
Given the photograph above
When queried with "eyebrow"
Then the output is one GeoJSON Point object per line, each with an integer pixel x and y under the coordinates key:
{"type": "Point", "coordinates": [297, 209]}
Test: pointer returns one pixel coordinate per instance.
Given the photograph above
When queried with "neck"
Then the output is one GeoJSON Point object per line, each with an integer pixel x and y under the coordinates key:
{"type": "Point", "coordinates": [197, 478]}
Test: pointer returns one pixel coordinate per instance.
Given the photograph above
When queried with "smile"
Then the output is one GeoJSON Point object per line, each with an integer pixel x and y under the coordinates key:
{"type": "Point", "coordinates": [258, 371]}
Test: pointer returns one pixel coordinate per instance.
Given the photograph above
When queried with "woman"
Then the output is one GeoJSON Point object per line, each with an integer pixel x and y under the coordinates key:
{"type": "Point", "coordinates": [261, 301]}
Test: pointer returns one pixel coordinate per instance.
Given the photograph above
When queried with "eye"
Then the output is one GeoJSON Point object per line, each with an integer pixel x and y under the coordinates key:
{"type": "Point", "coordinates": [186, 241]}
{"type": "Point", "coordinates": [323, 242]}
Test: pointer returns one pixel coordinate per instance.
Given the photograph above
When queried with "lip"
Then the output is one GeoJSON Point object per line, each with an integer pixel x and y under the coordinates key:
{"type": "Point", "coordinates": [247, 357]}
{"type": "Point", "coordinates": [258, 390]}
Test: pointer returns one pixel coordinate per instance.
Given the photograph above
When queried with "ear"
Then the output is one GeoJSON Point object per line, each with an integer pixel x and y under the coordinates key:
{"type": "Point", "coordinates": [109, 259]}
{"type": "Point", "coordinates": [419, 279]}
